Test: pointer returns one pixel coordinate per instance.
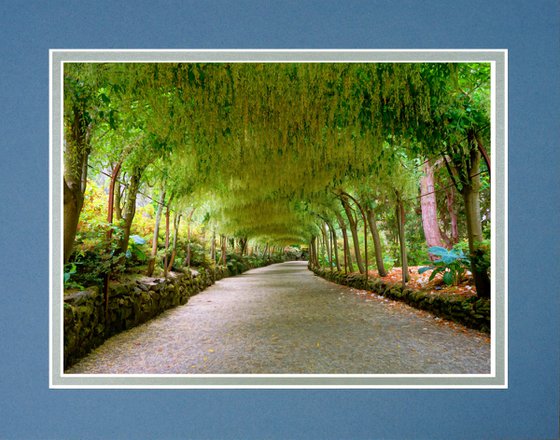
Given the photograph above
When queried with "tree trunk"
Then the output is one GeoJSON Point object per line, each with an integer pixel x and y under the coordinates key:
{"type": "Point", "coordinates": [110, 206]}
{"type": "Point", "coordinates": [466, 172]}
{"type": "Point", "coordinates": [73, 203]}
{"type": "Point", "coordinates": [118, 201]}
{"type": "Point", "coordinates": [176, 222]}
{"type": "Point", "coordinates": [316, 252]}
{"type": "Point", "coordinates": [313, 252]}
{"type": "Point", "coordinates": [400, 215]}
{"type": "Point", "coordinates": [347, 258]}
{"type": "Point", "coordinates": [326, 242]}
{"type": "Point", "coordinates": [335, 246]}
{"type": "Point", "coordinates": [470, 195]}
{"type": "Point", "coordinates": [364, 219]}
{"type": "Point", "coordinates": [166, 242]}
{"type": "Point", "coordinates": [450, 197]}
{"type": "Point", "coordinates": [376, 243]}
{"type": "Point", "coordinates": [188, 256]}
{"type": "Point", "coordinates": [224, 249]}
{"type": "Point", "coordinates": [76, 154]}
{"type": "Point", "coordinates": [213, 248]}
{"type": "Point", "coordinates": [429, 208]}
{"type": "Point", "coordinates": [130, 207]}
{"type": "Point", "coordinates": [482, 150]}
{"type": "Point", "coordinates": [188, 253]}
{"type": "Point", "coordinates": [153, 256]}
{"type": "Point", "coordinates": [354, 230]}
{"type": "Point", "coordinates": [243, 245]}
{"type": "Point", "coordinates": [265, 251]}
{"type": "Point", "coordinates": [330, 248]}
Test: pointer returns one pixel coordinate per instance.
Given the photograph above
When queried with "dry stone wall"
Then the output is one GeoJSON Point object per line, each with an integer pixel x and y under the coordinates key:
{"type": "Point", "coordinates": [471, 312]}
{"type": "Point", "coordinates": [130, 303]}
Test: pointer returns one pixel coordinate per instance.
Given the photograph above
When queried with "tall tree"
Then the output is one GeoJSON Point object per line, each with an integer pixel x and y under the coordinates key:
{"type": "Point", "coordinates": [428, 204]}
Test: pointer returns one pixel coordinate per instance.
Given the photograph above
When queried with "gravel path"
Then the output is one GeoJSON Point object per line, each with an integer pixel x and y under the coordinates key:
{"type": "Point", "coordinates": [284, 319]}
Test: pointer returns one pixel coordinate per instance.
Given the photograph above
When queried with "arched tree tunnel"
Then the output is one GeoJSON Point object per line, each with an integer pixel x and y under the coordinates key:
{"type": "Point", "coordinates": [278, 154]}
{"type": "Point", "coordinates": [353, 167]}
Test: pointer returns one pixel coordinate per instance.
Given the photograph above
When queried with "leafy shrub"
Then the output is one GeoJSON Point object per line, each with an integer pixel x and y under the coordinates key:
{"type": "Point", "coordinates": [137, 251]}
{"type": "Point", "coordinates": [95, 255]}
{"type": "Point", "coordinates": [452, 263]}
{"type": "Point", "coordinates": [481, 256]}
{"type": "Point", "coordinates": [70, 269]}
{"type": "Point", "coordinates": [388, 262]}
{"type": "Point", "coordinates": [199, 255]}
{"type": "Point", "coordinates": [416, 253]}
{"type": "Point", "coordinates": [235, 263]}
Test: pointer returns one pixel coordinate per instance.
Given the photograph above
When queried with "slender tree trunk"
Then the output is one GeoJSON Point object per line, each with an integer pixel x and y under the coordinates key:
{"type": "Point", "coordinates": [166, 242]}
{"type": "Point", "coordinates": [470, 195]}
{"type": "Point", "coordinates": [354, 230]}
{"type": "Point", "coordinates": [130, 207]}
{"type": "Point", "coordinates": [153, 256]}
{"type": "Point", "coordinates": [450, 197]}
{"type": "Point", "coordinates": [188, 256]}
{"type": "Point", "coordinates": [474, 230]}
{"type": "Point", "coordinates": [111, 198]}
{"type": "Point", "coordinates": [330, 248]}
{"type": "Point", "coordinates": [224, 250]}
{"type": "Point", "coordinates": [467, 173]}
{"type": "Point", "coordinates": [118, 201]}
{"type": "Point", "coordinates": [347, 257]}
{"type": "Point", "coordinates": [400, 215]}
{"type": "Point", "coordinates": [335, 246]}
{"type": "Point", "coordinates": [188, 253]}
{"type": "Point", "coordinates": [429, 208]}
{"type": "Point", "coordinates": [364, 219]}
{"type": "Point", "coordinates": [110, 203]}
{"type": "Point", "coordinates": [376, 243]}
{"type": "Point", "coordinates": [345, 251]}
{"type": "Point", "coordinates": [482, 150]}
{"type": "Point", "coordinates": [243, 243]}
{"type": "Point", "coordinates": [265, 251]}
{"type": "Point", "coordinates": [315, 255]}
{"type": "Point", "coordinates": [213, 248]}
{"type": "Point", "coordinates": [326, 243]}
{"type": "Point", "coordinates": [176, 222]}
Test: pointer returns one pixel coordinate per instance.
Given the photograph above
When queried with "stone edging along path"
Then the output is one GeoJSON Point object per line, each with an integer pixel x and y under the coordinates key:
{"type": "Point", "coordinates": [471, 312]}
{"type": "Point", "coordinates": [131, 303]}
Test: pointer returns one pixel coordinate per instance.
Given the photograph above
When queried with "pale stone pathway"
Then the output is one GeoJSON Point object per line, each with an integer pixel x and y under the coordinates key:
{"type": "Point", "coordinates": [284, 319]}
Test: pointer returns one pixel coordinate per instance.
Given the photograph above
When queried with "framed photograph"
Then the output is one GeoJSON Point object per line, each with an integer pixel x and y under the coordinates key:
{"type": "Point", "coordinates": [279, 219]}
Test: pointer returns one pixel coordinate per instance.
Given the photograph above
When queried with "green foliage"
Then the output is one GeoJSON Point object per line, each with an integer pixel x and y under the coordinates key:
{"type": "Point", "coordinates": [259, 149]}
{"type": "Point", "coordinates": [235, 263]}
{"type": "Point", "coordinates": [199, 254]}
{"type": "Point", "coordinates": [137, 249]}
{"type": "Point", "coordinates": [388, 262]}
{"type": "Point", "coordinates": [70, 270]}
{"type": "Point", "coordinates": [96, 255]}
{"type": "Point", "coordinates": [481, 256]}
{"type": "Point", "coordinates": [452, 264]}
